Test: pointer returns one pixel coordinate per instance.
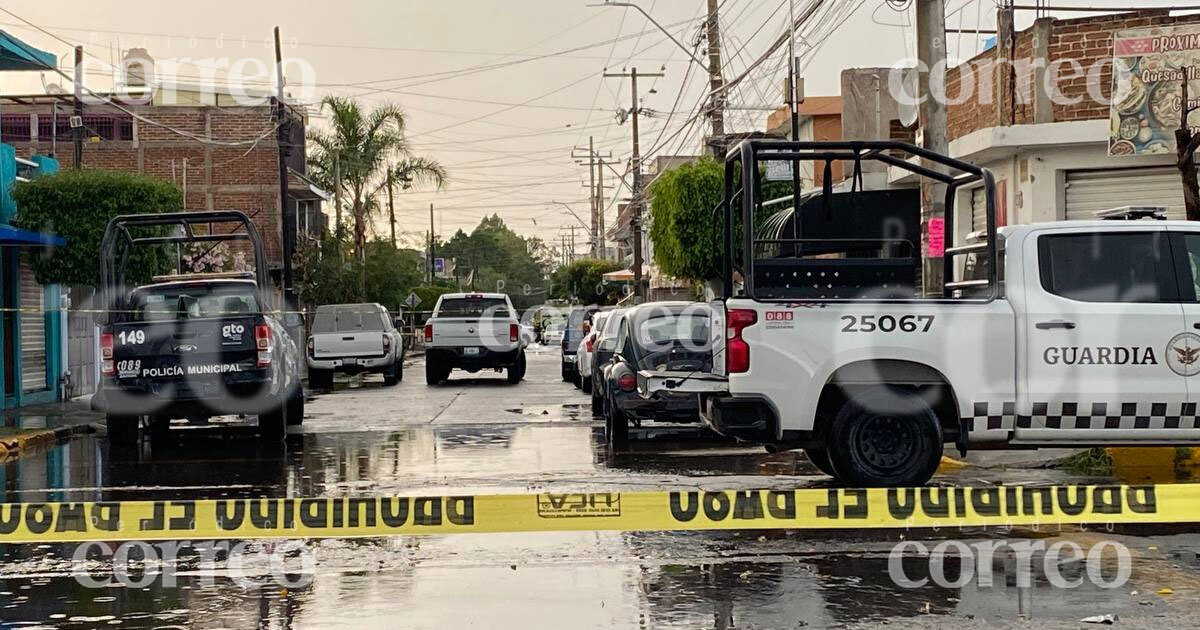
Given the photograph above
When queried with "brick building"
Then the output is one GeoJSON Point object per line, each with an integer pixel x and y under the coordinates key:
{"type": "Point", "coordinates": [214, 177]}
{"type": "Point", "coordinates": [1047, 141]}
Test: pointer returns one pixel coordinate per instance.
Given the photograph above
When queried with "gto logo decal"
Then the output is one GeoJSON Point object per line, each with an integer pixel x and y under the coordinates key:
{"type": "Point", "coordinates": [1183, 354]}
{"type": "Point", "coordinates": [233, 331]}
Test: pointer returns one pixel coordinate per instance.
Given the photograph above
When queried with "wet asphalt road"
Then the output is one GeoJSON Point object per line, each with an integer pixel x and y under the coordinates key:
{"type": "Point", "coordinates": [477, 434]}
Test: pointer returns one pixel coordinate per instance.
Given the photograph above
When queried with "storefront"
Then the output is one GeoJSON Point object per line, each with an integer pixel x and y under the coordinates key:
{"type": "Point", "coordinates": [30, 337]}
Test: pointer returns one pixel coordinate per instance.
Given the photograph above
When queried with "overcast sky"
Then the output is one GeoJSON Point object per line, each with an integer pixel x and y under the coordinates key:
{"type": "Point", "coordinates": [505, 133]}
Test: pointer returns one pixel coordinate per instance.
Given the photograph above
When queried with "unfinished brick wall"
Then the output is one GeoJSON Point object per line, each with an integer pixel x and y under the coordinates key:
{"type": "Point", "coordinates": [242, 178]}
{"type": "Point", "coordinates": [1086, 40]}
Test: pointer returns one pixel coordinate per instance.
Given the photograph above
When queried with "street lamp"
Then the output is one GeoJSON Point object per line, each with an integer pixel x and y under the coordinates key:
{"type": "Point", "coordinates": [655, 23]}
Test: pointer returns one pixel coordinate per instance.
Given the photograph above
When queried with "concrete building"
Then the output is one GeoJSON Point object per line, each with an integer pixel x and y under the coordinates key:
{"type": "Point", "coordinates": [1048, 141]}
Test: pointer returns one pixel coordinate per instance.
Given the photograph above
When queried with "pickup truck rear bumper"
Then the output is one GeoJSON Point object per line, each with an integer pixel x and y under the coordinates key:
{"type": "Point", "coordinates": [749, 419]}
{"type": "Point", "coordinates": [352, 365]}
{"type": "Point", "coordinates": [473, 358]}
{"type": "Point", "coordinates": [663, 407]}
{"type": "Point", "coordinates": [247, 392]}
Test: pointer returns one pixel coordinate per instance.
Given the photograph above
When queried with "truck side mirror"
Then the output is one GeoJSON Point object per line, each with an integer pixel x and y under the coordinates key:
{"type": "Point", "coordinates": [292, 320]}
{"type": "Point", "coordinates": [398, 322]}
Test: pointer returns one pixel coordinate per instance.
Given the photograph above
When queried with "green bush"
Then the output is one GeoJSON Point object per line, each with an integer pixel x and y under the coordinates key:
{"type": "Point", "coordinates": [76, 205]}
{"type": "Point", "coordinates": [583, 282]}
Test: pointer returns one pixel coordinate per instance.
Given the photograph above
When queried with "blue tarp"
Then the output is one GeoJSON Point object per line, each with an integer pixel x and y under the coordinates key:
{"type": "Point", "coordinates": [17, 55]}
{"type": "Point", "coordinates": [10, 235]}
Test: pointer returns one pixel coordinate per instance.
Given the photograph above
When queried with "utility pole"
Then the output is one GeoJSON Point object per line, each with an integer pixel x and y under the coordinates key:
{"type": "Point", "coordinates": [1186, 143]}
{"type": "Point", "coordinates": [572, 243]}
{"type": "Point", "coordinates": [77, 132]}
{"type": "Point", "coordinates": [599, 195]}
{"type": "Point", "coordinates": [594, 161]}
{"type": "Point", "coordinates": [595, 208]}
{"type": "Point", "coordinates": [716, 83]}
{"type": "Point", "coordinates": [432, 241]}
{"type": "Point", "coordinates": [391, 208]}
{"type": "Point", "coordinates": [635, 221]}
{"type": "Point", "coordinates": [793, 107]}
{"type": "Point", "coordinates": [931, 82]}
{"type": "Point", "coordinates": [287, 215]}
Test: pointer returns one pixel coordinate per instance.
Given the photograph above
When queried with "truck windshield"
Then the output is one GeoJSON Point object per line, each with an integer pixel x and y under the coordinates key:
{"type": "Point", "coordinates": [473, 307]}
{"type": "Point", "coordinates": [193, 302]}
{"type": "Point", "coordinates": [347, 320]}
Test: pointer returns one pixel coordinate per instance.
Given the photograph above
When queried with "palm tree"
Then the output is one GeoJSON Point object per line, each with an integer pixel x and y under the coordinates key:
{"type": "Point", "coordinates": [357, 150]}
{"type": "Point", "coordinates": [407, 172]}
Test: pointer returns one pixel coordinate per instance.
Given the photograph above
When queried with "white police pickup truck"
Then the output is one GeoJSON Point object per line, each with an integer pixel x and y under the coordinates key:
{"type": "Point", "coordinates": [473, 332]}
{"type": "Point", "coordinates": [1066, 334]}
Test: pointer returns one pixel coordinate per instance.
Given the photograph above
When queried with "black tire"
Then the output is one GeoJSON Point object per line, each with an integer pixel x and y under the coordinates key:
{"type": "Point", "coordinates": [160, 428]}
{"type": "Point", "coordinates": [517, 372]}
{"type": "Point", "coordinates": [391, 375]}
{"type": "Point", "coordinates": [885, 436]}
{"type": "Point", "coordinates": [271, 425]}
{"type": "Point", "coordinates": [320, 379]}
{"type": "Point", "coordinates": [433, 372]}
{"type": "Point", "coordinates": [597, 404]}
{"type": "Point", "coordinates": [616, 426]}
{"type": "Point", "coordinates": [122, 430]}
{"type": "Point", "coordinates": [586, 384]}
{"type": "Point", "coordinates": [566, 372]}
{"type": "Point", "coordinates": [295, 409]}
{"type": "Point", "coordinates": [577, 379]}
{"type": "Point", "coordinates": [400, 369]}
{"type": "Point", "coordinates": [820, 458]}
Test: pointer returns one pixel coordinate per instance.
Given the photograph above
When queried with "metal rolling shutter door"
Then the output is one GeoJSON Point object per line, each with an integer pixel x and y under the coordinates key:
{"type": "Point", "coordinates": [1089, 191]}
{"type": "Point", "coordinates": [979, 209]}
{"type": "Point", "coordinates": [33, 332]}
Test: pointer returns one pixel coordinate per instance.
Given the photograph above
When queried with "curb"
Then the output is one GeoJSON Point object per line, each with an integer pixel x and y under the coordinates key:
{"type": "Point", "coordinates": [14, 445]}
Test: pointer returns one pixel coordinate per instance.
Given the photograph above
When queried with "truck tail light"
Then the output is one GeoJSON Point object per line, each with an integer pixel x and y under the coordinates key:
{"type": "Point", "coordinates": [737, 351]}
{"type": "Point", "coordinates": [428, 333]}
{"type": "Point", "coordinates": [514, 332]}
{"type": "Point", "coordinates": [589, 343]}
{"type": "Point", "coordinates": [262, 341]}
{"type": "Point", "coordinates": [107, 367]}
{"type": "Point", "coordinates": [627, 382]}
{"type": "Point", "coordinates": [387, 343]}
{"type": "Point", "coordinates": [312, 347]}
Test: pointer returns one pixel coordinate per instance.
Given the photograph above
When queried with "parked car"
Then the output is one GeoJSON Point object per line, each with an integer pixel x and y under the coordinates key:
{"type": "Point", "coordinates": [655, 337]}
{"type": "Point", "coordinates": [605, 346]}
{"type": "Point", "coordinates": [572, 336]}
{"type": "Point", "coordinates": [553, 334]}
{"type": "Point", "coordinates": [587, 349]}
{"type": "Point", "coordinates": [473, 332]}
{"type": "Point", "coordinates": [353, 339]}
{"type": "Point", "coordinates": [193, 345]}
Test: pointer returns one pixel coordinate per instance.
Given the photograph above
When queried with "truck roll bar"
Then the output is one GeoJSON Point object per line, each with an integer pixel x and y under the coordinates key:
{"type": "Point", "coordinates": [748, 153]}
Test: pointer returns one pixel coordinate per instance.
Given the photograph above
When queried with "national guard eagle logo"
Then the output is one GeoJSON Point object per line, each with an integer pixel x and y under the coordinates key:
{"type": "Point", "coordinates": [1183, 354]}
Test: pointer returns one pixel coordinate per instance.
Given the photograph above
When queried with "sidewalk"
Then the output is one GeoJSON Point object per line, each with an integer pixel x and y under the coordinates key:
{"type": "Point", "coordinates": [44, 425]}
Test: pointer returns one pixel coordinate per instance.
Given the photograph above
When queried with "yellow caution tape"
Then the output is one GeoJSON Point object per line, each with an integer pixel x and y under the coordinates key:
{"type": "Point", "coordinates": [930, 507]}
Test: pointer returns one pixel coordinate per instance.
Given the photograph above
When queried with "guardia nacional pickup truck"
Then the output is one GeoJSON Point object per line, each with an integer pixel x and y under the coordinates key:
{"type": "Point", "coordinates": [1065, 334]}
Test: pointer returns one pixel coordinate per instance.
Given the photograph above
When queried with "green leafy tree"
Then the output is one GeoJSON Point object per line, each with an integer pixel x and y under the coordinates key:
{"type": "Point", "coordinates": [686, 233]}
{"type": "Point", "coordinates": [582, 282]}
{"type": "Point", "coordinates": [495, 258]}
{"type": "Point", "coordinates": [326, 275]}
{"type": "Point", "coordinates": [77, 205]}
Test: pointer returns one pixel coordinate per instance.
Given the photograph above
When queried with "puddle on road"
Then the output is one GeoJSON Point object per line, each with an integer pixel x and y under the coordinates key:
{"type": "Point", "coordinates": [554, 413]}
{"type": "Point", "coordinates": [602, 580]}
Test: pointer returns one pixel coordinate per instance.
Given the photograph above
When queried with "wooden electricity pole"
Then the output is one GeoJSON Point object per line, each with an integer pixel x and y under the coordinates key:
{"type": "Point", "coordinates": [931, 81]}
{"type": "Point", "coordinates": [637, 203]}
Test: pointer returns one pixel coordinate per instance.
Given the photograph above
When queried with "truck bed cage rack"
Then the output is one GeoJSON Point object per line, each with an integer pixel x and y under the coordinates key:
{"type": "Point", "coordinates": [946, 170]}
{"type": "Point", "coordinates": [118, 231]}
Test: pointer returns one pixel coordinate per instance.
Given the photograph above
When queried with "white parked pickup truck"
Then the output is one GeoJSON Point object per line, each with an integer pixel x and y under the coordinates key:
{"type": "Point", "coordinates": [1065, 334]}
{"type": "Point", "coordinates": [473, 332]}
{"type": "Point", "coordinates": [352, 339]}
